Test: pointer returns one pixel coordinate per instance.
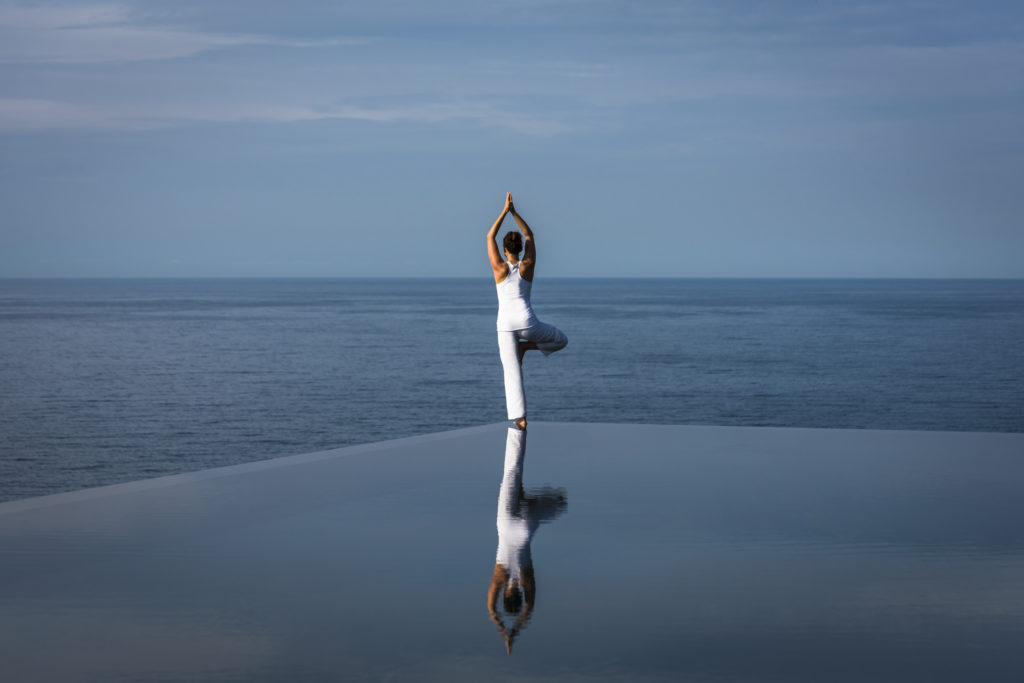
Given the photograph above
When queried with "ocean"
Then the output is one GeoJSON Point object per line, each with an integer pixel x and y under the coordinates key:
{"type": "Point", "coordinates": [103, 381]}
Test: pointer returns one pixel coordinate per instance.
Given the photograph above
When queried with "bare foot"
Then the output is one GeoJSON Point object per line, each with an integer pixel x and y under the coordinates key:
{"type": "Point", "coordinates": [521, 423]}
{"type": "Point", "coordinates": [523, 346]}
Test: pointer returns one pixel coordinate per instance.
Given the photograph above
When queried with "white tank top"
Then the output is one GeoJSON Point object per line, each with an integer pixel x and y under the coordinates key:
{"type": "Point", "coordinates": [514, 310]}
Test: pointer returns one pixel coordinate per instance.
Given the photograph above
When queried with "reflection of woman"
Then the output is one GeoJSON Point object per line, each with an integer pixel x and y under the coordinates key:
{"type": "Point", "coordinates": [519, 330]}
{"type": "Point", "coordinates": [519, 516]}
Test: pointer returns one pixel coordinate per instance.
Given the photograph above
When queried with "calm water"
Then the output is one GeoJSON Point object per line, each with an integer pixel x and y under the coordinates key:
{"type": "Point", "coordinates": [645, 554]}
{"type": "Point", "coordinates": [107, 381]}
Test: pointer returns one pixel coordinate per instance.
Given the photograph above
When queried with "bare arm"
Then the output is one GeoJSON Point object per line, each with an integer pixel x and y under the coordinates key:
{"type": "Point", "coordinates": [493, 252]}
{"type": "Point", "coordinates": [529, 247]}
{"type": "Point", "coordinates": [498, 580]}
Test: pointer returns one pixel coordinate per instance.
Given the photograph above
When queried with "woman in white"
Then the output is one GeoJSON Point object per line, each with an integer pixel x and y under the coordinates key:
{"type": "Point", "coordinates": [519, 516]}
{"type": "Point", "coordinates": [519, 330]}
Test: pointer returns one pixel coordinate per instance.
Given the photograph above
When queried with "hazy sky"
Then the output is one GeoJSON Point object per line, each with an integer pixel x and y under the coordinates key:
{"type": "Point", "coordinates": [660, 138]}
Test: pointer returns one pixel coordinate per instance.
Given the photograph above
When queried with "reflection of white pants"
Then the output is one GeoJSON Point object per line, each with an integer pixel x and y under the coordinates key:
{"type": "Point", "coordinates": [548, 339]}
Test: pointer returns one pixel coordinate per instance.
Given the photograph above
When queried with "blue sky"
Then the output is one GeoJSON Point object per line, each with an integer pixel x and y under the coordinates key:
{"type": "Point", "coordinates": [761, 139]}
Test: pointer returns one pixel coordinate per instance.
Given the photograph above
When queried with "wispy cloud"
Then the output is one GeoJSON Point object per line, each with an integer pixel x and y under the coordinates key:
{"type": "Point", "coordinates": [108, 33]}
{"type": "Point", "coordinates": [57, 17]}
{"type": "Point", "coordinates": [105, 66]}
{"type": "Point", "coordinates": [100, 96]}
{"type": "Point", "coordinates": [41, 115]}
{"type": "Point", "coordinates": [484, 114]}
{"type": "Point", "coordinates": [37, 114]}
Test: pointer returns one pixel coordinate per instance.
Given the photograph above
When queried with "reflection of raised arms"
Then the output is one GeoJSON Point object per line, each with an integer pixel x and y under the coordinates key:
{"type": "Point", "coordinates": [529, 246]}
{"type": "Point", "coordinates": [498, 264]}
{"type": "Point", "coordinates": [500, 584]}
{"type": "Point", "coordinates": [519, 516]}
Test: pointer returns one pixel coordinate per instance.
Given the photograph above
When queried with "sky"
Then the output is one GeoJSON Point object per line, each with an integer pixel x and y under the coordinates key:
{"type": "Point", "coordinates": [321, 138]}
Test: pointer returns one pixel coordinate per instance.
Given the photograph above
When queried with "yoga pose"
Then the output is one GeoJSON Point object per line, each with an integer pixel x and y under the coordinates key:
{"type": "Point", "coordinates": [520, 514]}
{"type": "Point", "coordinates": [519, 330]}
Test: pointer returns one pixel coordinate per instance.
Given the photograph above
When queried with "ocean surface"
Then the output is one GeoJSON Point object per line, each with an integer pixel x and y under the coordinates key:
{"type": "Point", "coordinates": [103, 381]}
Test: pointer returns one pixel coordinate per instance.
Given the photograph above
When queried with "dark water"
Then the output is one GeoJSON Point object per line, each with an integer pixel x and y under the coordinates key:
{"type": "Point", "coordinates": [112, 380]}
{"type": "Point", "coordinates": [645, 553]}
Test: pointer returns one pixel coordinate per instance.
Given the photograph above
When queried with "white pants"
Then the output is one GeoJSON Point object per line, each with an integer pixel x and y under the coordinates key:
{"type": "Point", "coordinates": [548, 339]}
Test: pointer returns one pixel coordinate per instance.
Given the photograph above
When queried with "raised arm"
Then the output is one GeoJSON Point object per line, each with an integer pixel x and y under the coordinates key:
{"type": "Point", "coordinates": [498, 580]}
{"type": "Point", "coordinates": [529, 247]}
{"type": "Point", "coordinates": [498, 264]}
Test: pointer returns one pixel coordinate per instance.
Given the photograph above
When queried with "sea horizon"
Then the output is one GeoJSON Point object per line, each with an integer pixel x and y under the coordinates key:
{"type": "Point", "coordinates": [115, 379]}
{"type": "Point", "coordinates": [796, 278]}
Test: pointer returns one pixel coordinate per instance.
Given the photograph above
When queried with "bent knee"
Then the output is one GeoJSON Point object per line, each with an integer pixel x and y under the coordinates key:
{"type": "Point", "coordinates": [554, 345]}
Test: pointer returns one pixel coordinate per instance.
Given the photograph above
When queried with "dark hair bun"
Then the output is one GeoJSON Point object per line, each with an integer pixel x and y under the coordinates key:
{"type": "Point", "coordinates": [513, 242]}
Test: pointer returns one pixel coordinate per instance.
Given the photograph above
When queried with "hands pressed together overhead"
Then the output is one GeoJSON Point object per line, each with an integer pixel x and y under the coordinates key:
{"type": "Point", "coordinates": [494, 252]}
{"type": "Point", "coordinates": [510, 208]}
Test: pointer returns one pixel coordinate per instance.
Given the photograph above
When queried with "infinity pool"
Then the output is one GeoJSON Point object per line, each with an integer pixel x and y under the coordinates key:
{"type": "Point", "coordinates": [638, 553]}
